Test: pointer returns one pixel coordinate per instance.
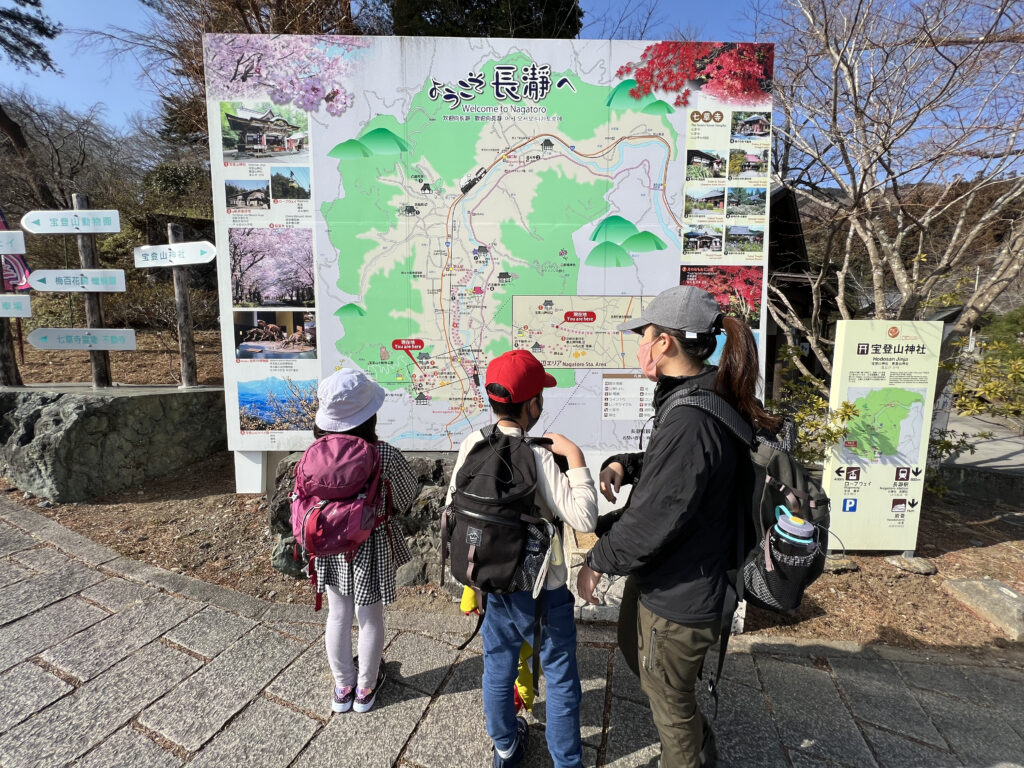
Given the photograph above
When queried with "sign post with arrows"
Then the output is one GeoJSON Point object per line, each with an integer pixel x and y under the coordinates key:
{"type": "Point", "coordinates": [177, 254]}
{"type": "Point", "coordinates": [84, 223]}
{"type": "Point", "coordinates": [875, 476]}
{"type": "Point", "coordinates": [174, 254]}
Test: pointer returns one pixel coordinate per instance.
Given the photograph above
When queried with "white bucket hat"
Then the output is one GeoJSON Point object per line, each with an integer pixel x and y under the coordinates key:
{"type": "Point", "coordinates": [347, 398]}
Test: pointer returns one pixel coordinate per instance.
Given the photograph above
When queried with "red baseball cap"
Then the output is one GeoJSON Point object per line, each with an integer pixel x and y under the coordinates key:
{"type": "Point", "coordinates": [520, 373]}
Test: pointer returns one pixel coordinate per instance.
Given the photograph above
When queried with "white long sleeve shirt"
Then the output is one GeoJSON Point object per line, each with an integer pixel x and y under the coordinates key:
{"type": "Point", "coordinates": [570, 496]}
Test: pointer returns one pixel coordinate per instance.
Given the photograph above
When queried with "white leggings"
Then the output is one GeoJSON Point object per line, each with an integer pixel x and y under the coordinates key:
{"type": "Point", "coordinates": [339, 639]}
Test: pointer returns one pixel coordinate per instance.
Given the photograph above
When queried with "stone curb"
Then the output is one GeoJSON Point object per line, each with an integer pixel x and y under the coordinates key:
{"type": "Point", "coordinates": [54, 533]}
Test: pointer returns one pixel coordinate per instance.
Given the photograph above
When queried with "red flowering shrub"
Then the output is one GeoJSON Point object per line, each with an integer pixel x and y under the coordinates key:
{"type": "Point", "coordinates": [737, 289]}
{"type": "Point", "coordinates": [731, 72]}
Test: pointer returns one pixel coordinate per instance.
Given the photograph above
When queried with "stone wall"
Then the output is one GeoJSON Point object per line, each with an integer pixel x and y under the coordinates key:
{"type": "Point", "coordinates": [74, 443]}
{"type": "Point", "coordinates": [420, 525]}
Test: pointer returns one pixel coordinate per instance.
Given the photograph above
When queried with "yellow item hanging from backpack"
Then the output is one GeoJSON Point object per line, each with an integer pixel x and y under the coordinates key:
{"type": "Point", "coordinates": [523, 692]}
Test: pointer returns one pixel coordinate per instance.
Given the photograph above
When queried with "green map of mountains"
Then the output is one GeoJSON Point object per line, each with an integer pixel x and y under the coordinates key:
{"type": "Point", "coordinates": [616, 238]}
{"type": "Point", "coordinates": [880, 415]}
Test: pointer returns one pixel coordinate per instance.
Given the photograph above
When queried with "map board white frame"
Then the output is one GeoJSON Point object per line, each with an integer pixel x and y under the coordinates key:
{"type": "Point", "coordinates": [582, 194]}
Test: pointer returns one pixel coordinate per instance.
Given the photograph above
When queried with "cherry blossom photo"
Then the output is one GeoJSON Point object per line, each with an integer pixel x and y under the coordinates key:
{"type": "Point", "coordinates": [305, 72]}
{"type": "Point", "coordinates": [271, 267]}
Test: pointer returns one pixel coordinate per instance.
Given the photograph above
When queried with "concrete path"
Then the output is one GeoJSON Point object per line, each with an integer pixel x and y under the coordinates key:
{"type": "Point", "coordinates": [105, 661]}
{"type": "Point", "coordinates": [1002, 449]}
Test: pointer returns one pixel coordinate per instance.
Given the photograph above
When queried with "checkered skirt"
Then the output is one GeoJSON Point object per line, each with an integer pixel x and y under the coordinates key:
{"type": "Point", "coordinates": [370, 575]}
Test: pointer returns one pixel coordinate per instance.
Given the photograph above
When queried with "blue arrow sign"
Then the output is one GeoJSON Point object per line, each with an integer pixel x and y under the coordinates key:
{"type": "Point", "coordinates": [14, 305]}
{"type": "Point", "coordinates": [78, 280]}
{"type": "Point", "coordinates": [94, 339]}
{"type": "Point", "coordinates": [74, 222]}
{"type": "Point", "coordinates": [178, 254]}
{"type": "Point", "coordinates": [12, 241]}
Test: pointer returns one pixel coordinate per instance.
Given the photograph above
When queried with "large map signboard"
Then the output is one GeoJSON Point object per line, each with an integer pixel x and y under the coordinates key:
{"type": "Point", "coordinates": [414, 207]}
{"type": "Point", "coordinates": [875, 475]}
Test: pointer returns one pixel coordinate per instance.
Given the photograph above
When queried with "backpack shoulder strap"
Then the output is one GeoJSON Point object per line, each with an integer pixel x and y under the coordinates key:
{"type": "Point", "coordinates": [715, 405]}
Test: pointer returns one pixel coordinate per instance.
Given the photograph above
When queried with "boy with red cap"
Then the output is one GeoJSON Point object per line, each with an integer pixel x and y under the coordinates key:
{"type": "Point", "coordinates": [515, 387]}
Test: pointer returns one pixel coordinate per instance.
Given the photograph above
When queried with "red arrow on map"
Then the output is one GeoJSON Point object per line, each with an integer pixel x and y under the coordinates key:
{"type": "Point", "coordinates": [407, 346]}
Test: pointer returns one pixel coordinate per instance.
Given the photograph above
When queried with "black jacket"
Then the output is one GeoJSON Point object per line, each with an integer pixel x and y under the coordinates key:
{"type": "Point", "coordinates": [677, 532]}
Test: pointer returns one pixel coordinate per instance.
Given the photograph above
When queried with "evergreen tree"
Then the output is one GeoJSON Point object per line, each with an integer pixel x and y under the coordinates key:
{"type": "Point", "coordinates": [486, 18]}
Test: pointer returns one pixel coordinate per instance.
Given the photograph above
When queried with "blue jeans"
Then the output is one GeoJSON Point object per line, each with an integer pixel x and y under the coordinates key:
{"type": "Point", "coordinates": [508, 623]}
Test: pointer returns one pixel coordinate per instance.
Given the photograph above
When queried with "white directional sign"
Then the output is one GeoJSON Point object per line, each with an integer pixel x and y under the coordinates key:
{"type": "Point", "coordinates": [14, 305]}
{"type": "Point", "coordinates": [78, 280]}
{"type": "Point", "coordinates": [70, 222]}
{"type": "Point", "coordinates": [116, 339]}
{"type": "Point", "coordinates": [12, 241]}
{"type": "Point", "coordinates": [174, 255]}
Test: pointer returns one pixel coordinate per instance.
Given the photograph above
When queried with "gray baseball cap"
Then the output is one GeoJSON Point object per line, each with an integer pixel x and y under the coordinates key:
{"type": "Point", "coordinates": [680, 308]}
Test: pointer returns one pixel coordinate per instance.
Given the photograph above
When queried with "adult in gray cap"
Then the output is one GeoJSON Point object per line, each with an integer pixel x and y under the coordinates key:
{"type": "Point", "coordinates": [675, 537]}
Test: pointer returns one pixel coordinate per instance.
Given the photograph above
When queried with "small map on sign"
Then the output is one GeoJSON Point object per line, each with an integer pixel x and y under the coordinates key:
{"type": "Point", "coordinates": [575, 331]}
{"type": "Point", "coordinates": [888, 427]}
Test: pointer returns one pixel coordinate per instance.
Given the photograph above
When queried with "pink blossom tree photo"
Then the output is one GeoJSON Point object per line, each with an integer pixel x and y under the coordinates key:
{"type": "Point", "coordinates": [303, 71]}
{"type": "Point", "coordinates": [271, 267]}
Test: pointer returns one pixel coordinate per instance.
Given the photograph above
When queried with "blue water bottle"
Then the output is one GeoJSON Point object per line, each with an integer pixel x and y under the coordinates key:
{"type": "Point", "coordinates": [793, 528]}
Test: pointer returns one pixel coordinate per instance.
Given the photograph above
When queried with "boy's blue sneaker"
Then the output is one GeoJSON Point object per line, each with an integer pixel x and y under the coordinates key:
{"type": "Point", "coordinates": [519, 753]}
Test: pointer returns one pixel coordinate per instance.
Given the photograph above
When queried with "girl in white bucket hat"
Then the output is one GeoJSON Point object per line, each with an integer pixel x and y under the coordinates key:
{"type": "Point", "coordinates": [361, 585]}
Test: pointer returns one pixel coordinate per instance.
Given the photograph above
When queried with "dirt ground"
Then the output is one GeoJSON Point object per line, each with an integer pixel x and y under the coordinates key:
{"type": "Point", "coordinates": [193, 523]}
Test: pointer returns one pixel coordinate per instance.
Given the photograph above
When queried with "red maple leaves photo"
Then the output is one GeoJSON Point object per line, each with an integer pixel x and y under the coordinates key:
{"type": "Point", "coordinates": [737, 289]}
{"type": "Point", "coordinates": [730, 72]}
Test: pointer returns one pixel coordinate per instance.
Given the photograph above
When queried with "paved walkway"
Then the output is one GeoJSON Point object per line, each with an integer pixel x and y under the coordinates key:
{"type": "Point", "coordinates": [1002, 450]}
{"type": "Point", "coordinates": [105, 661]}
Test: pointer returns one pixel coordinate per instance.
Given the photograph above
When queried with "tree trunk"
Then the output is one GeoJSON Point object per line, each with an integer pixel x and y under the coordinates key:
{"type": "Point", "coordinates": [9, 374]}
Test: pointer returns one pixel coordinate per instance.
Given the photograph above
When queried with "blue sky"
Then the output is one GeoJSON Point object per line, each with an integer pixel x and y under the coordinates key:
{"type": "Point", "coordinates": [90, 77]}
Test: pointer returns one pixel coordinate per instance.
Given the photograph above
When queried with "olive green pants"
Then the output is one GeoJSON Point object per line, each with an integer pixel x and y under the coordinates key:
{"type": "Point", "coordinates": [670, 657]}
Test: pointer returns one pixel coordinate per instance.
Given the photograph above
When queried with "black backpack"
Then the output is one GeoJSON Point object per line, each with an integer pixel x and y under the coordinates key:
{"type": "Point", "coordinates": [492, 531]}
{"type": "Point", "coordinates": [772, 570]}
{"type": "Point", "coordinates": [776, 570]}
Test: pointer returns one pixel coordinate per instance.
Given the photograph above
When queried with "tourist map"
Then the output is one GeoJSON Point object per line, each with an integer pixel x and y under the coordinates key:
{"type": "Point", "coordinates": [465, 198]}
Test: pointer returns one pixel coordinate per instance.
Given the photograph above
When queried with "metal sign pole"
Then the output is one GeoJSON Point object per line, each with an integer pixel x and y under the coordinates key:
{"type": "Point", "coordinates": [100, 360]}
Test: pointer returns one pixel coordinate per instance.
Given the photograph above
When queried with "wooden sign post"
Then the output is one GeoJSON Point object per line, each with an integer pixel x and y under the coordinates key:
{"type": "Point", "coordinates": [98, 359]}
{"type": "Point", "coordinates": [183, 311]}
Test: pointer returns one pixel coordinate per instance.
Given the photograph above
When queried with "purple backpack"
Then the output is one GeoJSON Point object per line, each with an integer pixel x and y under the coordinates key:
{"type": "Point", "coordinates": [337, 500]}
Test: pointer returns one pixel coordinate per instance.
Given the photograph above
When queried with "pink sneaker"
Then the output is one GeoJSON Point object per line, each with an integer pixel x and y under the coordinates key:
{"type": "Point", "coordinates": [364, 698]}
{"type": "Point", "coordinates": [343, 698]}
